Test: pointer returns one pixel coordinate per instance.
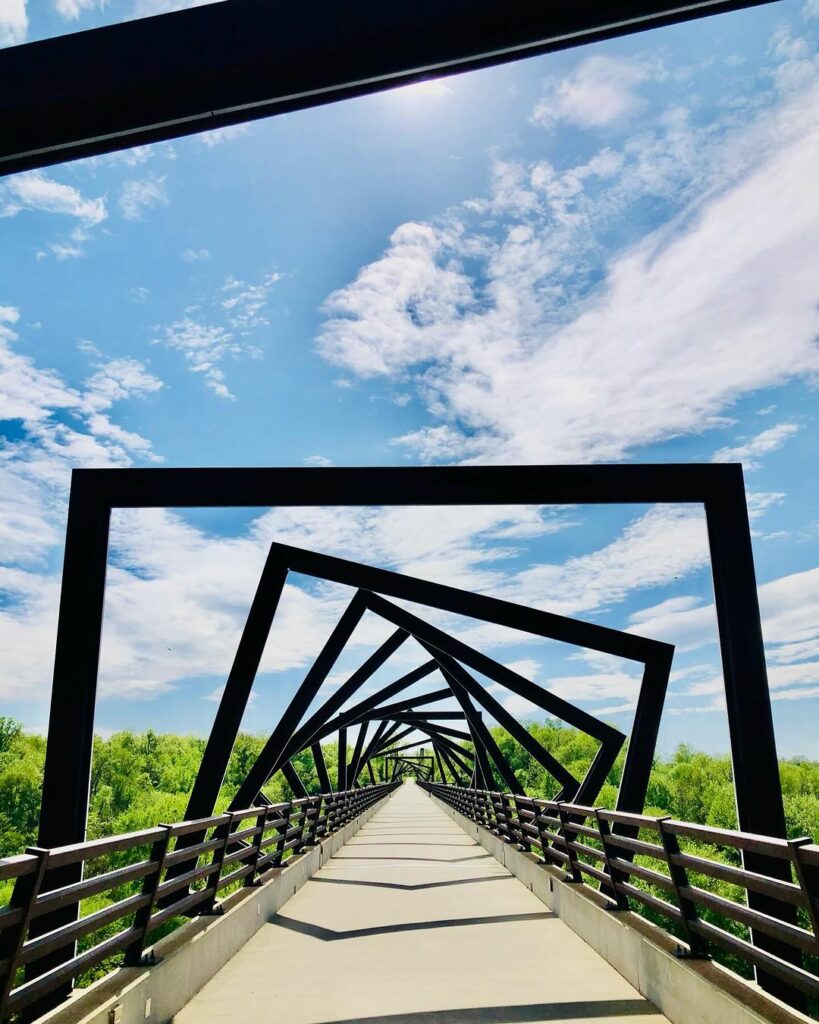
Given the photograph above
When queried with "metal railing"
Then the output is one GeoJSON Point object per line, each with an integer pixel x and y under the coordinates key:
{"type": "Point", "coordinates": [231, 848]}
{"type": "Point", "coordinates": [601, 845]}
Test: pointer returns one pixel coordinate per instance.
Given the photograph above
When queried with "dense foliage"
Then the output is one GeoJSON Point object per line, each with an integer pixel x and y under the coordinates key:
{"type": "Point", "coordinates": [141, 779]}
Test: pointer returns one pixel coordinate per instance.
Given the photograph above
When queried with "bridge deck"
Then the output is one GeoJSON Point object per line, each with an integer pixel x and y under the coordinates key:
{"type": "Point", "coordinates": [412, 922]}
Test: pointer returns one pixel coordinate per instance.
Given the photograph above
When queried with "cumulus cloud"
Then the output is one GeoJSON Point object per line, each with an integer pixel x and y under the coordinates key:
{"type": "Point", "coordinates": [13, 22]}
{"type": "Point", "coordinates": [34, 190]}
{"type": "Point", "coordinates": [61, 426]}
{"type": "Point", "coordinates": [532, 358]}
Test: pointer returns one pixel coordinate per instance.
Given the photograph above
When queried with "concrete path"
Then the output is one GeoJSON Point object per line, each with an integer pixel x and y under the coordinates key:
{"type": "Point", "coordinates": [413, 923]}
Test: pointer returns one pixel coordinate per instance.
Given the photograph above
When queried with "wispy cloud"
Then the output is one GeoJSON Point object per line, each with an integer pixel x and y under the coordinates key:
{"type": "Point", "coordinates": [204, 347]}
{"type": "Point", "coordinates": [600, 92]}
{"type": "Point", "coordinates": [218, 136]}
{"type": "Point", "coordinates": [749, 452]}
{"type": "Point", "coordinates": [141, 194]}
{"type": "Point", "coordinates": [209, 335]}
{"type": "Point", "coordinates": [520, 356]}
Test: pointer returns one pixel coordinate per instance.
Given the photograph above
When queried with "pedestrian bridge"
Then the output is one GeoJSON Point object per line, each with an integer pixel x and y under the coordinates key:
{"type": "Point", "coordinates": [387, 905]}
{"type": "Point", "coordinates": [414, 921]}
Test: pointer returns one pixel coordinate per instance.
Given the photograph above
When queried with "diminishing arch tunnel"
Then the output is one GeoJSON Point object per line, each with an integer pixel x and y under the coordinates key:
{"type": "Point", "coordinates": [451, 658]}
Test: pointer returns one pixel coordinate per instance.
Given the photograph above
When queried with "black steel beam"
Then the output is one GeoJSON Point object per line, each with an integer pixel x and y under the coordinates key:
{"type": "Point", "coordinates": [458, 676]}
{"type": "Point", "coordinates": [271, 756]}
{"type": "Point", "coordinates": [321, 768]}
{"type": "Point", "coordinates": [341, 774]}
{"type": "Point", "coordinates": [311, 730]}
{"type": "Point", "coordinates": [356, 713]}
{"type": "Point", "coordinates": [220, 64]}
{"type": "Point", "coordinates": [355, 764]}
{"type": "Point", "coordinates": [293, 780]}
{"type": "Point", "coordinates": [95, 492]}
{"type": "Point", "coordinates": [237, 689]}
{"type": "Point", "coordinates": [492, 669]}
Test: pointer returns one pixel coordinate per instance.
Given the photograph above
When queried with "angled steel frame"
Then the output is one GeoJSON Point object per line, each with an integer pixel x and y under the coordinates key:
{"type": "Point", "coordinates": [371, 583]}
{"type": "Point", "coordinates": [719, 488]}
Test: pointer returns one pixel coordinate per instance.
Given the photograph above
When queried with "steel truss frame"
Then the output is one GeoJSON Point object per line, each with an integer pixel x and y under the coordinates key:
{"type": "Point", "coordinates": [719, 488]}
{"type": "Point", "coordinates": [449, 656]}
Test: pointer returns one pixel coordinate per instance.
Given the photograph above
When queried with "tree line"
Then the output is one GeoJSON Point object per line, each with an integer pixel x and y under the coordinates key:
{"type": "Point", "coordinates": [139, 779]}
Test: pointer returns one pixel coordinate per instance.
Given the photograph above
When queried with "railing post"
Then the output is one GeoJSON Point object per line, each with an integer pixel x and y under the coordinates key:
{"type": "Point", "coordinates": [523, 835]}
{"type": "Point", "coordinates": [311, 839]}
{"type": "Point", "coordinates": [300, 843]}
{"type": "Point", "coordinates": [574, 871]}
{"type": "Point", "coordinates": [620, 900]}
{"type": "Point", "coordinates": [679, 876]}
{"type": "Point", "coordinates": [213, 876]}
{"type": "Point", "coordinates": [23, 897]}
{"type": "Point", "coordinates": [282, 830]}
{"type": "Point", "coordinates": [250, 877]}
{"type": "Point", "coordinates": [808, 877]}
{"type": "Point", "coordinates": [150, 884]}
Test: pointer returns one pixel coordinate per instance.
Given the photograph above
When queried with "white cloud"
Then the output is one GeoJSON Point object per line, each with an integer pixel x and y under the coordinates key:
{"type": "Point", "coordinates": [790, 625]}
{"type": "Point", "coordinates": [207, 338]}
{"type": "Point", "coordinates": [769, 440]}
{"type": "Point", "coordinates": [70, 10]}
{"type": "Point", "coordinates": [220, 135]}
{"type": "Point", "coordinates": [665, 544]}
{"type": "Point", "coordinates": [141, 194]}
{"type": "Point", "coordinates": [34, 190]}
{"type": "Point", "coordinates": [13, 22]}
{"type": "Point", "coordinates": [35, 468]}
{"type": "Point", "coordinates": [527, 360]}
{"type": "Point", "coordinates": [204, 346]}
{"type": "Point", "coordinates": [196, 255]}
{"type": "Point", "coordinates": [244, 302]}
{"type": "Point", "coordinates": [601, 91]}
{"type": "Point", "coordinates": [317, 460]}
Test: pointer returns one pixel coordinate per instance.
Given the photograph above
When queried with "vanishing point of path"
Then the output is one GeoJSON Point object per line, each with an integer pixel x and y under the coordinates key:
{"type": "Point", "coordinates": [412, 922]}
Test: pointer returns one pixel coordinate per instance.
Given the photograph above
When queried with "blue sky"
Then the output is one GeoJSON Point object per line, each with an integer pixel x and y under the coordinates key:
{"type": "Point", "coordinates": [602, 255]}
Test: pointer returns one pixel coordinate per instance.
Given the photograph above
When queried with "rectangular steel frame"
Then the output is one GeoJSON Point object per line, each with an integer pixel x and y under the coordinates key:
{"type": "Point", "coordinates": [719, 488]}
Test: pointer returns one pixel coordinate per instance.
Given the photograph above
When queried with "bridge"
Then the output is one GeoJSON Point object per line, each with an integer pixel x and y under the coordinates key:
{"type": "Point", "coordinates": [408, 902]}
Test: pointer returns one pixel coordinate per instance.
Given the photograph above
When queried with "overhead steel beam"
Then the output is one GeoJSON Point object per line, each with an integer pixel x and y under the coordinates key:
{"type": "Point", "coordinates": [220, 64]}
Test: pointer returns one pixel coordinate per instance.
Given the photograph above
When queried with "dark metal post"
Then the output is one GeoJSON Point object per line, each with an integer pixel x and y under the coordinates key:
{"type": "Point", "coordinates": [23, 897]}
{"type": "Point", "coordinates": [142, 918]}
{"type": "Point", "coordinates": [760, 808]}
{"type": "Point", "coordinates": [321, 768]}
{"type": "Point", "coordinates": [293, 780]}
{"type": "Point", "coordinates": [679, 876]}
{"type": "Point", "coordinates": [341, 777]}
{"type": "Point", "coordinates": [235, 696]}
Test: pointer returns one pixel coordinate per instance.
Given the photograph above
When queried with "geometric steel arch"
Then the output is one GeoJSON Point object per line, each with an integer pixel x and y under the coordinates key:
{"type": "Point", "coordinates": [451, 657]}
{"type": "Point", "coordinates": [719, 488]}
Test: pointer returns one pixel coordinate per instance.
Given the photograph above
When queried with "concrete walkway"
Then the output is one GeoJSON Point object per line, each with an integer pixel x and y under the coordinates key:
{"type": "Point", "coordinates": [413, 923]}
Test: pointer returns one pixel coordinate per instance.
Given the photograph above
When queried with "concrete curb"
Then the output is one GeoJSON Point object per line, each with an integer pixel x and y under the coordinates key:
{"type": "Point", "coordinates": [686, 991]}
{"type": "Point", "coordinates": [196, 951]}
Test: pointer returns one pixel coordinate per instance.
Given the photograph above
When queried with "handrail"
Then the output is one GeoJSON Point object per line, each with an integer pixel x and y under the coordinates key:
{"type": "Point", "coordinates": [553, 829]}
{"type": "Point", "coordinates": [250, 852]}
